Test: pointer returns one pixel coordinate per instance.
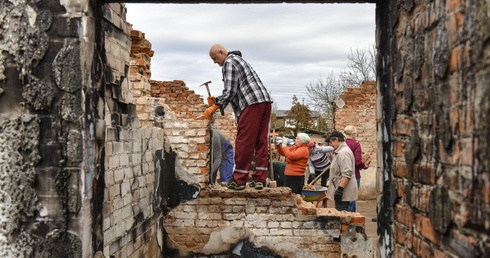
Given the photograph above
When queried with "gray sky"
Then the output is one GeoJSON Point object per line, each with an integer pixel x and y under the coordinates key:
{"type": "Point", "coordinates": [289, 45]}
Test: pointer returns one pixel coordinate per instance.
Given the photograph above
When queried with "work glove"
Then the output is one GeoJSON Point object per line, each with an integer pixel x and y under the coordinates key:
{"type": "Point", "coordinates": [208, 114]}
{"type": "Point", "coordinates": [211, 101]}
{"type": "Point", "coordinates": [278, 141]}
{"type": "Point", "coordinates": [338, 194]}
{"type": "Point", "coordinates": [284, 141]}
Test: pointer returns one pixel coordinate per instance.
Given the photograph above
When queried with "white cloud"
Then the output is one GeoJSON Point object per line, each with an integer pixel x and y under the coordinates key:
{"type": "Point", "coordinates": [289, 45]}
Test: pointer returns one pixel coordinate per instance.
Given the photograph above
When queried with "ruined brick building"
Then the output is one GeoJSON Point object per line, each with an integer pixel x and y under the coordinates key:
{"type": "Point", "coordinates": [96, 159]}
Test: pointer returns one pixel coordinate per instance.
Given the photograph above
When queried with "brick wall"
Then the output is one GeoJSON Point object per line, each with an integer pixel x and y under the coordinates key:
{"type": "Point", "coordinates": [86, 167]}
{"type": "Point", "coordinates": [359, 110]}
{"type": "Point", "coordinates": [433, 127]}
{"type": "Point", "coordinates": [129, 223]}
{"type": "Point", "coordinates": [357, 106]}
{"type": "Point", "coordinates": [274, 219]}
{"type": "Point", "coordinates": [269, 217]}
{"type": "Point", "coordinates": [171, 106]}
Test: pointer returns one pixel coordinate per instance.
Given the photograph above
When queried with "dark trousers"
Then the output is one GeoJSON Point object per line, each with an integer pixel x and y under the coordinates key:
{"type": "Point", "coordinates": [342, 206]}
{"type": "Point", "coordinates": [324, 177]}
{"type": "Point", "coordinates": [296, 183]}
{"type": "Point", "coordinates": [252, 138]}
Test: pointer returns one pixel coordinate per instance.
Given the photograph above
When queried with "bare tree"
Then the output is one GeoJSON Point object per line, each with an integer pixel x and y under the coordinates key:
{"type": "Point", "coordinates": [361, 67]}
{"type": "Point", "coordinates": [322, 93]}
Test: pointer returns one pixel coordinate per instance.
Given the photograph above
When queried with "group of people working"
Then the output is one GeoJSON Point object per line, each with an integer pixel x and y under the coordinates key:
{"type": "Point", "coordinates": [342, 160]}
{"type": "Point", "coordinates": [251, 103]}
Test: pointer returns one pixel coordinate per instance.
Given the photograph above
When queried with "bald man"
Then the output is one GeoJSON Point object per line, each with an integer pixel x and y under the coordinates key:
{"type": "Point", "coordinates": [251, 104]}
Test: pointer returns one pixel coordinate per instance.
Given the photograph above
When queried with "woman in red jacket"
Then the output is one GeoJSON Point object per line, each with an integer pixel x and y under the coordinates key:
{"type": "Point", "coordinates": [296, 162]}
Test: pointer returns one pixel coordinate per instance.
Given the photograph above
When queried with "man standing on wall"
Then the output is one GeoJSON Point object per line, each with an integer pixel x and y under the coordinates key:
{"type": "Point", "coordinates": [251, 104]}
{"type": "Point", "coordinates": [342, 184]}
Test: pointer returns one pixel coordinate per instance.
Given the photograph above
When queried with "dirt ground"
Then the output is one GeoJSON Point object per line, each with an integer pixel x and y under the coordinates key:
{"type": "Point", "coordinates": [368, 209]}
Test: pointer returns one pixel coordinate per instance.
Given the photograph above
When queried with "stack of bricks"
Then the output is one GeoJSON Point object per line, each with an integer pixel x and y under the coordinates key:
{"type": "Point", "coordinates": [274, 215]}
{"type": "Point", "coordinates": [360, 111]}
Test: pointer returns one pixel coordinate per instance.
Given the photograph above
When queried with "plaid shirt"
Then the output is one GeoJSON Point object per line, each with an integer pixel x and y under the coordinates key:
{"type": "Point", "coordinates": [242, 85]}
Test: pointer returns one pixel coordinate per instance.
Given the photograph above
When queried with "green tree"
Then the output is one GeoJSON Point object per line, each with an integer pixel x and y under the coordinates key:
{"type": "Point", "coordinates": [299, 116]}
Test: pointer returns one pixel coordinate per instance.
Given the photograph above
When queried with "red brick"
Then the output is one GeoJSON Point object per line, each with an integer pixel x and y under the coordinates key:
{"type": "Point", "coordinates": [454, 119]}
{"type": "Point", "coordinates": [449, 158]}
{"type": "Point", "coordinates": [400, 234]}
{"type": "Point", "coordinates": [424, 173]}
{"type": "Point", "coordinates": [404, 216]}
{"type": "Point", "coordinates": [401, 252]}
{"type": "Point", "coordinates": [357, 218]}
{"type": "Point", "coordinates": [398, 148]}
{"type": "Point", "coordinates": [439, 254]}
{"type": "Point", "coordinates": [467, 151]}
{"type": "Point", "coordinates": [455, 59]}
{"type": "Point", "coordinates": [136, 34]}
{"type": "Point", "coordinates": [344, 229]}
{"type": "Point", "coordinates": [400, 169]}
{"type": "Point", "coordinates": [424, 226]}
{"type": "Point", "coordinates": [468, 126]}
{"type": "Point", "coordinates": [400, 189]}
{"type": "Point", "coordinates": [420, 199]}
{"type": "Point", "coordinates": [421, 248]}
{"type": "Point", "coordinates": [402, 127]}
{"type": "Point", "coordinates": [452, 5]}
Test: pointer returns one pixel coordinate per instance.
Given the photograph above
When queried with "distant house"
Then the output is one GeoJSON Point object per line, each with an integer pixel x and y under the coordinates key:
{"type": "Point", "coordinates": [284, 123]}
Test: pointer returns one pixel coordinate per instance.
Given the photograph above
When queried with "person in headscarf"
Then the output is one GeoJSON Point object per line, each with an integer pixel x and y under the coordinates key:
{"type": "Point", "coordinates": [296, 162]}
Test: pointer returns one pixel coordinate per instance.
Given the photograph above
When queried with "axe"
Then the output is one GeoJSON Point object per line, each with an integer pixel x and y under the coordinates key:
{"type": "Point", "coordinates": [209, 93]}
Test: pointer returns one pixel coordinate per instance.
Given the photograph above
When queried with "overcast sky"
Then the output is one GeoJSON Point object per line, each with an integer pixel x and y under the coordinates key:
{"type": "Point", "coordinates": [288, 45]}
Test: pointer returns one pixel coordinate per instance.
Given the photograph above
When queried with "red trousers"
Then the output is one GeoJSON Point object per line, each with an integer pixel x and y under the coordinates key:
{"type": "Point", "coordinates": [252, 138]}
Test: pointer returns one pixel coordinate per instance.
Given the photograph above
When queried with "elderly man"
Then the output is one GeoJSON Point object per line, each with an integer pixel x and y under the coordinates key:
{"type": "Point", "coordinates": [342, 184]}
{"type": "Point", "coordinates": [251, 104]}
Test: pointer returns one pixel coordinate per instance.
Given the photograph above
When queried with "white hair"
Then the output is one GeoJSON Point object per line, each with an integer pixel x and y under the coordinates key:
{"type": "Point", "coordinates": [350, 130]}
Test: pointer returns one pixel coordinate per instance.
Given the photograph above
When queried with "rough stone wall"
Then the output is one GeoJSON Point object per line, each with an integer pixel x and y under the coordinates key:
{"type": "Point", "coordinates": [357, 106]}
{"type": "Point", "coordinates": [433, 128]}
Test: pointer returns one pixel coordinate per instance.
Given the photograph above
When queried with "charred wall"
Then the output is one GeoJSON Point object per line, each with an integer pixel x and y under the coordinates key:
{"type": "Point", "coordinates": [433, 76]}
{"type": "Point", "coordinates": [78, 169]}
{"type": "Point", "coordinates": [40, 129]}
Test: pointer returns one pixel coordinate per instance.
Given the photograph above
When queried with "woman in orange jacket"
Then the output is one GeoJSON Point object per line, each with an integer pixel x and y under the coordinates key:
{"type": "Point", "coordinates": [296, 162]}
